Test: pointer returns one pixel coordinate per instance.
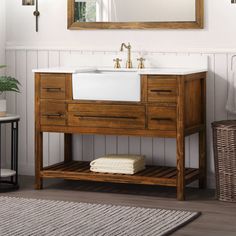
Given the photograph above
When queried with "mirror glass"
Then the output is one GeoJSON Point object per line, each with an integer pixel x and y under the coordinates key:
{"type": "Point", "coordinates": [134, 11]}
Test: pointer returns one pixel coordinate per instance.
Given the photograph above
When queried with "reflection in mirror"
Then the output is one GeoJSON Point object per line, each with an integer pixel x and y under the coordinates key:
{"type": "Point", "coordinates": [134, 11]}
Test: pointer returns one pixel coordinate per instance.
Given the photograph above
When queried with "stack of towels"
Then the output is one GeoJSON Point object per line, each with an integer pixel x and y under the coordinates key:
{"type": "Point", "coordinates": [118, 164]}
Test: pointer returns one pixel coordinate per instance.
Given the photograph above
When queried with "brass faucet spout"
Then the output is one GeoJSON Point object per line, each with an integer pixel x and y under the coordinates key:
{"type": "Point", "coordinates": [122, 47]}
{"type": "Point", "coordinates": [128, 47]}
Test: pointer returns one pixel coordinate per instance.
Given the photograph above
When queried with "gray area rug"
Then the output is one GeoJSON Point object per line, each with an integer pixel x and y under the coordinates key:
{"type": "Point", "coordinates": [25, 217]}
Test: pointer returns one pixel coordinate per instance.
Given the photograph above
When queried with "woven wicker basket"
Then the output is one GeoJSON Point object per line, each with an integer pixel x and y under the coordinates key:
{"type": "Point", "coordinates": [224, 141]}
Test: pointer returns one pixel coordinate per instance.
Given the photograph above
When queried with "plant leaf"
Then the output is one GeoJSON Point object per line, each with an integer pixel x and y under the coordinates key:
{"type": "Point", "coordinates": [8, 83]}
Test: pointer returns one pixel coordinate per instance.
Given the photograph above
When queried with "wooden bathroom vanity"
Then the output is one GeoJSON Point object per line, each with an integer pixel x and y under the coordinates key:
{"type": "Point", "coordinates": [171, 106]}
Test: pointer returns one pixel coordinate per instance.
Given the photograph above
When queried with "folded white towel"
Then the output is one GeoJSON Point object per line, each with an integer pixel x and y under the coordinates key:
{"type": "Point", "coordinates": [231, 101]}
{"type": "Point", "coordinates": [121, 164]}
{"type": "Point", "coordinates": [118, 160]}
{"type": "Point", "coordinates": [114, 170]}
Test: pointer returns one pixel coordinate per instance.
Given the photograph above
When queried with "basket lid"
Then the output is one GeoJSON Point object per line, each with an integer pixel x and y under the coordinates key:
{"type": "Point", "coordinates": [224, 124]}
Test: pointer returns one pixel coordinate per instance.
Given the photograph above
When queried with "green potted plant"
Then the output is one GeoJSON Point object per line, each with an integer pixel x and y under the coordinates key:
{"type": "Point", "coordinates": [7, 84]}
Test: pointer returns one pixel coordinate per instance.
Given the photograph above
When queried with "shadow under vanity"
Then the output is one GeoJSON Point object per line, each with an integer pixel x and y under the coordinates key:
{"type": "Point", "coordinates": [171, 104]}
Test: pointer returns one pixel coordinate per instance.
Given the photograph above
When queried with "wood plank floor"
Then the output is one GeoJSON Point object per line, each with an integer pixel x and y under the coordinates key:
{"type": "Point", "coordinates": [218, 218]}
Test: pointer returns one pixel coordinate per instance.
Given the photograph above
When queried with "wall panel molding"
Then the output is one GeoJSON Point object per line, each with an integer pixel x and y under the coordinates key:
{"type": "Point", "coordinates": [13, 46]}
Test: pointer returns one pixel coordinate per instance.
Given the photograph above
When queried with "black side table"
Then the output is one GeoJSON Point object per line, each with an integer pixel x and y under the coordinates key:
{"type": "Point", "coordinates": [9, 177]}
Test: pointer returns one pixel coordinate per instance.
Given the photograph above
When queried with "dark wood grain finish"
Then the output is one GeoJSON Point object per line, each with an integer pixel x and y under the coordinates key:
{"type": "Point", "coordinates": [194, 129]}
{"type": "Point", "coordinates": [68, 147]}
{"type": "Point", "coordinates": [38, 136]}
{"type": "Point", "coordinates": [193, 102]}
{"type": "Point", "coordinates": [152, 175]}
{"type": "Point", "coordinates": [144, 85]}
{"type": "Point", "coordinates": [180, 141]}
{"type": "Point", "coordinates": [52, 112]}
{"type": "Point", "coordinates": [161, 117]}
{"type": "Point", "coordinates": [110, 116]}
{"type": "Point", "coordinates": [52, 86]}
{"type": "Point", "coordinates": [109, 131]}
{"type": "Point", "coordinates": [68, 87]}
{"type": "Point", "coordinates": [161, 88]}
{"type": "Point", "coordinates": [170, 107]}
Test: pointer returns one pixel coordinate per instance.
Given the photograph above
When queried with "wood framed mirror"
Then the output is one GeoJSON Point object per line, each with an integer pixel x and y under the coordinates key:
{"type": "Point", "coordinates": [135, 14]}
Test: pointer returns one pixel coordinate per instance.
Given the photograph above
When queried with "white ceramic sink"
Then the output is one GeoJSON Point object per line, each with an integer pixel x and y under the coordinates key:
{"type": "Point", "coordinates": [107, 85]}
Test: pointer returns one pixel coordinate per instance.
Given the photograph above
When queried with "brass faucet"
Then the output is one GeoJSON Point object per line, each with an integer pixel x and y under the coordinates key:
{"type": "Point", "coordinates": [141, 64]}
{"type": "Point", "coordinates": [117, 63]}
{"type": "Point", "coordinates": [128, 62]}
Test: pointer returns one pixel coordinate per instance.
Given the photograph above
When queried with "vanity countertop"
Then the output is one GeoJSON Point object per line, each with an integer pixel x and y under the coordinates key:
{"type": "Point", "coordinates": [160, 71]}
{"type": "Point", "coordinates": [146, 71]}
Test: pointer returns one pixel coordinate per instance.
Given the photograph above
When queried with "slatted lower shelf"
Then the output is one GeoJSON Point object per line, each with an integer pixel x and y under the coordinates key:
{"type": "Point", "coordinates": [152, 175]}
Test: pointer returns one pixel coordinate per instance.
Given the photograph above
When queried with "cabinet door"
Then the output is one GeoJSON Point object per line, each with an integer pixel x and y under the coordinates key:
{"type": "Point", "coordinates": [162, 88]}
{"type": "Point", "coordinates": [107, 116]}
{"type": "Point", "coordinates": [52, 86]}
{"type": "Point", "coordinates": [161, 118]}
{"type": "Point", "coordinates": [52, 113]}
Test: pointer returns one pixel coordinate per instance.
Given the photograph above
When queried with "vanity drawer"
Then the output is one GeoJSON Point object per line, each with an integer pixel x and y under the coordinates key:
{"type": "Point", "coordinates": [107, 116]}
{"type": "Point", "coordinates": [52, 112]}
{"type": "Point", "coordinates": [52, 86]}
{"type": "Point", "coordinates": [161, 118]}
{"type": "Point", "coordinates": [162, 88]}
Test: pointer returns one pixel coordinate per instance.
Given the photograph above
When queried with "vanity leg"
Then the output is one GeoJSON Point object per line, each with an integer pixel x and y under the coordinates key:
{"type": "Point", "coordinates": [38, 159]}
{"type": "Point", "coordinates": [180, 168]}
{"type": "Point", "coordinates": [68, 147]}
{"type": "Point", "coordinates": [202, 160]}
{"type": "Point", "coordinates": [180, 142]}
{"type": "Point", "coordinates": [202, 141]}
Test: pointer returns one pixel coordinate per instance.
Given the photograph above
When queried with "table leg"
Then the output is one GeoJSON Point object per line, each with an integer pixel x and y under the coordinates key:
{"type": "Point", "coordinates": [14, 150]}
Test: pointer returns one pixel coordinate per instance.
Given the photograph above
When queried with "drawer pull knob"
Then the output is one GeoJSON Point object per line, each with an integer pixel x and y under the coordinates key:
{"type": "Point", "coordinates": [161, 91]}
{"type": "Point", "coordinates": [53, 89]}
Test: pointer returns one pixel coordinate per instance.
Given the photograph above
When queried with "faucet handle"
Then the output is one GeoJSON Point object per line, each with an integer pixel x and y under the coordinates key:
{"type": "Point", "coordinates": [117, 63]}
{"type": "Point", "coordinates": [141, 64]}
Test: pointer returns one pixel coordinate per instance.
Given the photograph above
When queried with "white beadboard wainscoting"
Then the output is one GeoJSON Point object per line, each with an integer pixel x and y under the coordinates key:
{"type": "Point", "coordinates": [158, 151]}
